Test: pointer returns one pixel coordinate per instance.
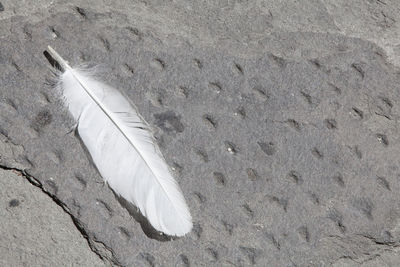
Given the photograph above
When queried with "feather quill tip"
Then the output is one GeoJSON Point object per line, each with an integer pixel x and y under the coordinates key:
{"type": "Point", "coordinates": [123, 149]}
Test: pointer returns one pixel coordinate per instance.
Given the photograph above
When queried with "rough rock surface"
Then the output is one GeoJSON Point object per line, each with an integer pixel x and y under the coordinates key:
{"type": "Point", "coordinates": [31, 237]}
{"type": "Point", "coordinates": [280, 121]}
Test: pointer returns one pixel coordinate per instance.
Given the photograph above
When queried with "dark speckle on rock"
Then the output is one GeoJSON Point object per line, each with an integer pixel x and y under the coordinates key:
{"type": "Point", "coordinates": [42, 119]}
{"type": "Point", "coordinates": [169, 122]}
{"type": "Point", "coordinates": [13, 203]}
{"type": "Point", "coordinates": [148, 259]}
{"type": "Point", "coordinates": [267, 148]}
{"type": "Point", "coordinates": [331, 123]}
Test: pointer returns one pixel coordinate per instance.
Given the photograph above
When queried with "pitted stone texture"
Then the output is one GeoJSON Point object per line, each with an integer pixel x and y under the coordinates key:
{"type": "Point", "coordinates": [283, 162]}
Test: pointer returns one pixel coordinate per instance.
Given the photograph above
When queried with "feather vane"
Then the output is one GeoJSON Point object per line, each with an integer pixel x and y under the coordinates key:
{"type": "Point", "coordinates": [123, 149]}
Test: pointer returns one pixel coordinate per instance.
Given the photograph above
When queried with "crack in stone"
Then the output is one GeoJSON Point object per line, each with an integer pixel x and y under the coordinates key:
{"type": "Point", "coordinates": [32, 180]}
{"type": "Point", "coordinates": [378, 242]}
{"type": "Point", "coordinates": [363, 257]}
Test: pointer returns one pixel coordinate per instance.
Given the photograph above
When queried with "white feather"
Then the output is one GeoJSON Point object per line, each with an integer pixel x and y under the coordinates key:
{"type": "Point", "coordinates": [124, 150]}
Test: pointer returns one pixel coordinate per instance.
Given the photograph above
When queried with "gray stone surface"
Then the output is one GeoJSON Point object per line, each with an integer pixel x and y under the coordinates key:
{"type": "Point", "coordinates": [280, 120]}
{"type": "Point", "coordinates": [31, 237]}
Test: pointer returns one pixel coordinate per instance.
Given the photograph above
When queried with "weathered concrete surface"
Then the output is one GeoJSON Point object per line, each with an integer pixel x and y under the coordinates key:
{"type": "Point", "coordinates": [35, 231]}
{"type": "Point", "coordinates": [303, 93]}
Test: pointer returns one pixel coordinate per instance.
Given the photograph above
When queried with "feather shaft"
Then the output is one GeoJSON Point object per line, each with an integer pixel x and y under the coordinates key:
{"type": "Point", "coordinates": [64, 64]}
{"type": "Point", "coordinates": [124, 150]}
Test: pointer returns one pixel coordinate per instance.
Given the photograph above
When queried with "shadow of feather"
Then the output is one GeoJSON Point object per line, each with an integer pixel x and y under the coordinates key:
{"type": "Point", "coordinates": [147, 228]}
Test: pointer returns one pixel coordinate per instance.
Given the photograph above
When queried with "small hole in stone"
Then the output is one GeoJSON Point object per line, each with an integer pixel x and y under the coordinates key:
{"type": "Point", "coordinates": [383, 139]}
{"type": "Point", "coordinates": [331, 123]}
